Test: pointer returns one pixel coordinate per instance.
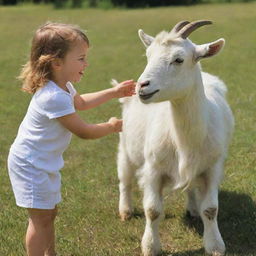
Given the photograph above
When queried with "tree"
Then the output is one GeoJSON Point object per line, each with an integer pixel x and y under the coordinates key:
{"type": "Point", "coordinates": [143, 3]}
{"type": "Point", "coordinates": [77, 3]}
{"type": "Point", "coordinates": [9, 2]}
{"type": "Point", "coordinates": [92, 3]}
{"type": "Point", "coordinates": [59, 3]}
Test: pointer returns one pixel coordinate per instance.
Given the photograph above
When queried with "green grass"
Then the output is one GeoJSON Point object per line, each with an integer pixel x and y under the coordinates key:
{"type": "Point", "coordinates": [88, 222]}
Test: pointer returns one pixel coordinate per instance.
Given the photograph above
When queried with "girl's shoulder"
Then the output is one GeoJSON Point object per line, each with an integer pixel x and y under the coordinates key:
{"type": "Point", "coordinates": [50, 92]}
{"type": "Point", "coordinates": [52, 98]}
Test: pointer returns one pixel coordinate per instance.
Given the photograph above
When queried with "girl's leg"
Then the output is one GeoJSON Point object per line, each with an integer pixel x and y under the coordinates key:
{"type": "Point", "coordinates": [40, 233]}
{"type": "Point", "coordinates": [50, 251]}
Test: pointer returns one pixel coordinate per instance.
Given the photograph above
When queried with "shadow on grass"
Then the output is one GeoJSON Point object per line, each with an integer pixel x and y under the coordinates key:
{"type": "Point", "coordinates": [139, 214]}
{"type": "Point", "coordinates": [187, 253]}
{"type": "Point", "coordinates": [237, 223]}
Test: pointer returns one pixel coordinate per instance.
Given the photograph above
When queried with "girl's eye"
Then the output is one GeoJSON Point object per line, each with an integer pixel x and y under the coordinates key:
{"type": "Point", "coordinates": [178, 61]}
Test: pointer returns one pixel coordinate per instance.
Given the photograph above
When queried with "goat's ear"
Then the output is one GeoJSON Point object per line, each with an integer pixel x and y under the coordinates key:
{"type": "Point", "coordinates": [208, 50]}
{"type": "Point", "coordinates": [146, 39]}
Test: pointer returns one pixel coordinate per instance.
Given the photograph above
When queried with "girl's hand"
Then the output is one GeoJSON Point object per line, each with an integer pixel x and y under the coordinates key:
{"type": "Point", "coordinates": [116, 124]}
{"type": "Point", "coordinates": [125, 89]}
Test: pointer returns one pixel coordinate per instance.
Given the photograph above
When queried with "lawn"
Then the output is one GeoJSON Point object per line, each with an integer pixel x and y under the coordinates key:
{"type": "Point", "coordinates": [88, 222]}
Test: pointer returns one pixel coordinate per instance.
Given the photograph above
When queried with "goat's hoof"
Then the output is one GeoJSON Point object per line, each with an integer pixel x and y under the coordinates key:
{"type": "Point", "coordinates": [148, 252]}
{"type": "Point", "coordinates": [126, 215]}
{"type": "Point", "coordinates": [216, 250]}
{"type": "Point", "coordinates": [150, 249]}
{"type": "Point", "coordinates": [217, 254]}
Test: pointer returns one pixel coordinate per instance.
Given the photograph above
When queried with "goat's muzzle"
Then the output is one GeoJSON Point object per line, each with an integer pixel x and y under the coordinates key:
{"type": "Point", "coordinates": [144, 95]}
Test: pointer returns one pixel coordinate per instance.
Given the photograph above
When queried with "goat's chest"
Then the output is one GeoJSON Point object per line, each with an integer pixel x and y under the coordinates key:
{"type": "Point", "coordinates": [147, 135]}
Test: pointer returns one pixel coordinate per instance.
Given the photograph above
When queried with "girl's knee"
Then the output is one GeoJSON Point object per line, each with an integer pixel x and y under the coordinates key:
{"type": "Point", "coordinates": [41, 217]}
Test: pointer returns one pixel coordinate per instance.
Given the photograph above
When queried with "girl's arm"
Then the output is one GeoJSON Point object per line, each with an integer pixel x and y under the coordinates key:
{"type": "Point", "coordinates": [91, 100]}
{"type": "Point", "coordinates": [90, 131]}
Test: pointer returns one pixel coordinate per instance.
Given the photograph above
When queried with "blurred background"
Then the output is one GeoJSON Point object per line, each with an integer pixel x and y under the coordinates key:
{"type": "Point", "coordinates": [88, 222]}
{"type": "Point", "coordinates": [115, 3]}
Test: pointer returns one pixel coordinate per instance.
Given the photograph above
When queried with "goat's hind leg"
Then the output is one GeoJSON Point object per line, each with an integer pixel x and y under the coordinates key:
{"type": "Point", "coordinates": [192, 206]}
{"type": "Point", "coordinates": [125, 174]}
{"type": "Point", "coordinates": [213, 241]}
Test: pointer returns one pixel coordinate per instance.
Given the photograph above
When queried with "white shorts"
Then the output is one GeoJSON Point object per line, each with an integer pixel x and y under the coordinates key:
{"type": "Point", "coordinates": [33, 188]}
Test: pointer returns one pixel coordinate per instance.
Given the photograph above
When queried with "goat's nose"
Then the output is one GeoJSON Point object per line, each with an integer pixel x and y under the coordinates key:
{"type": "Point", "coordinates": [144, 84]}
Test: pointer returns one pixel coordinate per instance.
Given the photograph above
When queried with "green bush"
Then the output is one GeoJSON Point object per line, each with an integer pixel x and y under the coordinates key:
{"type": "Point", "coordinates": [59, 3]}
{"type": "Point", "coordinates": [77, 3]}
{"type": "Point", "coordinates": [93, 3]}
{"type": "Point", "coordinates": [111, 3]}
{"type": "Point", "coordinates": [9, 2]}
{"type": "Point", "coordinates": [143, 3]}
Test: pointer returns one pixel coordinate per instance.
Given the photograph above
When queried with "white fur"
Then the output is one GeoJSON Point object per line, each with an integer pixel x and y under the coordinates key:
{"type": "Point", "coordinates": [180, 139]}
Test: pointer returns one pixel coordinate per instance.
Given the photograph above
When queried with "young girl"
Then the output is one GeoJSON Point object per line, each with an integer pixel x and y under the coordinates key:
{"type": "Point", "coordinates": [58, 57]}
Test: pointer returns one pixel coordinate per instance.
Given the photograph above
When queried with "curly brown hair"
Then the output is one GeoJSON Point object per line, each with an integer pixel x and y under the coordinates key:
{"type": "Point", "coordinates": [52, 40]}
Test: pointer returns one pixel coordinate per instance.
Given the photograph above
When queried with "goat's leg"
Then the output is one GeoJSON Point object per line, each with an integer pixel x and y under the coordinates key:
{"type": "Point", "coordinates": [125, 175]}
{"type": "Point", "coordinates": [192, 207]}
{"type": "Point", "coordinates": [208, 193]}
{"type": "Point", "coordinates": [153, 207]}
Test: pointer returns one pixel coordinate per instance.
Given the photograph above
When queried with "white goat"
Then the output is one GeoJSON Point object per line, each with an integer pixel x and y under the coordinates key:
{"type": "Point", "coordinates": [180, 139]}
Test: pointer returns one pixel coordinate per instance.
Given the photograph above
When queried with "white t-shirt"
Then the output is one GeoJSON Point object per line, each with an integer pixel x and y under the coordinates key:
{"type": "Point", "coordinates": [41, 139]}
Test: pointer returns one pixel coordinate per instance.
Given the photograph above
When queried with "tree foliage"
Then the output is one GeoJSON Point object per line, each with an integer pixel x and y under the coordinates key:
{"type": "Point", "coordinates": [143, 3]}
{"type": "Point", "coordinates": [9, 2]}
{"type": "Point", "coordinates": [123, 3]}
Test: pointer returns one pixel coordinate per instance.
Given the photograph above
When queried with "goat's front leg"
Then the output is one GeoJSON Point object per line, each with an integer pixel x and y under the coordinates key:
{"type": "Point", "coordinates": [152, 202]}
{"type": "Point", "coordinates": [125, 175]}
{"type": "Point", "coordinates": [208, 191]}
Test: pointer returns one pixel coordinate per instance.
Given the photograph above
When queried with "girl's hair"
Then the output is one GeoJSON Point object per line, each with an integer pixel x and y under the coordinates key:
{"type": "Point", "coordinates": [52, 40]}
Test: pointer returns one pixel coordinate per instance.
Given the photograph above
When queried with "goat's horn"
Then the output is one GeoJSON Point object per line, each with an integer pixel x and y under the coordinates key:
{"type": "Point", "coordinates": [189, 28]}
{"type": "Point", "coordinates": [179, 26]}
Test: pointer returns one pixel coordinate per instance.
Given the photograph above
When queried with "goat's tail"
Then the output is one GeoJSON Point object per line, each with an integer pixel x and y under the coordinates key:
{"type": "Point", "coordinates": [182, 184]}
{"type": "Point", "coordinates": [113, 82]}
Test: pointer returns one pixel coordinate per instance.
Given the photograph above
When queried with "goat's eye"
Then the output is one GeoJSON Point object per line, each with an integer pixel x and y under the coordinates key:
{"type": "Point", "coordinates": [178, 61]}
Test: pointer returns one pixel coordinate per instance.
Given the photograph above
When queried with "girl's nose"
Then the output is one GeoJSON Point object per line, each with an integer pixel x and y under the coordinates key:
{"type": "Point", "coordinates": [86, 64]}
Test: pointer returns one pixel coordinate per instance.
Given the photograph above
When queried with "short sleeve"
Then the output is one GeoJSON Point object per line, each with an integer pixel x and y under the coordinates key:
{"type": "Point", "coordinates": [71, 89]}
{"type": "Point", "coordinates": [58, 105]}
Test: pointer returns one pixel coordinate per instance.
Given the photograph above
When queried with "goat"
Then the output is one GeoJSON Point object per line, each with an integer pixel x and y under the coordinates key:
{"type": "Point", "coordinates": [176, 132]}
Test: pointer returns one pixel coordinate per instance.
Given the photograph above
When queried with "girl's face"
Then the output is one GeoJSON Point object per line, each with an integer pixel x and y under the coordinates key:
{"type": "Point", "coordinates": [74, 63]}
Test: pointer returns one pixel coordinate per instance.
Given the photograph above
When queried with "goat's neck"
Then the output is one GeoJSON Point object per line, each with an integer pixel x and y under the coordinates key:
{"type": "Point", "coordinates": [189, 116]}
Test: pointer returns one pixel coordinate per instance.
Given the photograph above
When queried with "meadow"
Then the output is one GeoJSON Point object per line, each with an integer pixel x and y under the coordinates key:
{"type": "Point", "coordinates": [88, 222]}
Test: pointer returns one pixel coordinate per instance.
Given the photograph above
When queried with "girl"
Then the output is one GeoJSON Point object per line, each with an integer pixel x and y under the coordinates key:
{"type": "Point", "coordinates": [58, 57]}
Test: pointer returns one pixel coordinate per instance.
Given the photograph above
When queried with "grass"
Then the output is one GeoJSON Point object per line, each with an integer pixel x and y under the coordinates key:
{"type": "Point", "coordinates": [88, 222]}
